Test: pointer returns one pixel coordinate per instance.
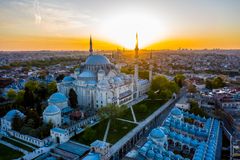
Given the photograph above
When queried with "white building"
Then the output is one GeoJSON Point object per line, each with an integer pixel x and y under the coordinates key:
{"type": "Point", "coordinates": [6, 121]}
{"type": "Point", "coordinates": [59, 135]}
{"type": "Point", "coordinates": [98, 82]}
{"type": "Point", "coordinates": [52, 114]}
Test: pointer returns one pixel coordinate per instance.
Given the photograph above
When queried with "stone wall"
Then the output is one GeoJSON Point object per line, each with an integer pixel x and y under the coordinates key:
{"type": "Point", "coordinates": [30, 139]}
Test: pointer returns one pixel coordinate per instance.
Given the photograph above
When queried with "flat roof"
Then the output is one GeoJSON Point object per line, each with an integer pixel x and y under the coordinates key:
{"type": "Point", "coordinates": [74, 147]}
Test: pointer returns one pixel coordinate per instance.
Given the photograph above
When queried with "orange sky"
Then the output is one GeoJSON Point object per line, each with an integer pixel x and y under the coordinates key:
{"type": "Point", "coordinates": [161, 24]}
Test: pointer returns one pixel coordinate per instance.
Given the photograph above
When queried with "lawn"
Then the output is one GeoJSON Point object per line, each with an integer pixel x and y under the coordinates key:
{"type": "Point", "coordinates": [152, 105]}
{"type": "Point", "coordinates": [118, 129]}
{"type": "Point", "coordinates": [127, 114]}
{"type": "Point", "coordinates": [18, 144]}
{"type": "Point", "coordinates": [8, 153]}
{"type": "Point", "coordinates": [99, 130]}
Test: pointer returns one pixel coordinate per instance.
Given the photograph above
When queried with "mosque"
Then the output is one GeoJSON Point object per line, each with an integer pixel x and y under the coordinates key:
{"type": "Point", "coordinates": [98, 82]}
{"type": "Point", "coordinates": [183, 136]}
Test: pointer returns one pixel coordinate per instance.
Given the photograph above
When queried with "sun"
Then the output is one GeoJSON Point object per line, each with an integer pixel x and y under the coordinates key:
{"type": "Point", "coordinates": [121, 29]}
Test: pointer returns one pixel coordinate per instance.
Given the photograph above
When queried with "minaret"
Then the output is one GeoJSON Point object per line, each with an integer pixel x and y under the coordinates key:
{"type": "Point", "coordinates": [150, 67]}
{"type": "Point", "coordinates": [136, 65]}
{"type": "Point", "coordinates": [91, 49]}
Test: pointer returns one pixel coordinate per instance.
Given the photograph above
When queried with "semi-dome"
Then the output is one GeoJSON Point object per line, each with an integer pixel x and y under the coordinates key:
{"type": "Point", "coordinates": [51, 109]}
{"type": "Point", "coordinates": [87, 74]}
{"type": "Point", "coordinates": [57, 98]}
{"type": "Point", "coordinates": [97, 60]}
{"type": "Point", "coordinates": [68, 79]}
{"type": "Point", "coordinates": [176, 112]}
{"type": "Point", "coordinates": [11, 114]}
{"type": "Point", "coordinates": [157, 133]}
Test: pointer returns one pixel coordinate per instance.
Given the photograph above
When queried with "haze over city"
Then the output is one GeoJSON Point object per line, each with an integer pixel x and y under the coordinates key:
{"type": "Point", "coordinates": [67, 25]}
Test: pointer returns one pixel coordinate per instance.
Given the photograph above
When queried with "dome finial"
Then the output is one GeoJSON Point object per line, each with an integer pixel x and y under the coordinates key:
{"type": "Point", "coordinates": [90, 49]}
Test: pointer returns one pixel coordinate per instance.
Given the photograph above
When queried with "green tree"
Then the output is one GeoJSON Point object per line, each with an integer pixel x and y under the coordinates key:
{"type": "Point", "coordinates": [11, 94]}
{"type": "Point", "coordinates": [192, 88]}
{"type": "Point", "coordinates": [31, 85]}
{"type": "Point", "coordinates": [17, 123]}
{"type": "Point", "coordinates": [179, 79]}
{"type": "Point", "coordinates": [28, 98]}
{"type": "Point", "coordinates": [52, 88]}
{"type": "Point", "coordinates": [60, 77]}
{"type": "Point", "coordinates": [195, 109]}
{"type": "Point", "coordinates": [73, 98]}
{"type": "Point", "coordinates": [215, 83]}
{"type": "Point", "coordinates": [19, 99]}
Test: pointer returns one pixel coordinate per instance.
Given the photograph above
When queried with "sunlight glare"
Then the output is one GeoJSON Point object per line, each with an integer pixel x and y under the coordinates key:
{"type": "Point", "coordinates": [122, 29]}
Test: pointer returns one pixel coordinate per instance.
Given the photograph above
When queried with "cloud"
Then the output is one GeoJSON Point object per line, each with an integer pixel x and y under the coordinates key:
{"type": "Point", "coordinates": [38, 17]}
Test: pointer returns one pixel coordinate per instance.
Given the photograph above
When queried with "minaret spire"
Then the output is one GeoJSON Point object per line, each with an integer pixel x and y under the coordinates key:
{"type": "Point", "coordinates": [136, 46]}
{"type": "Point", "coordinates": [91, 48]}
{"type": "Point", "coordinates": [136, 66]}
{"type": "Point", "coordinates": [150, 67]}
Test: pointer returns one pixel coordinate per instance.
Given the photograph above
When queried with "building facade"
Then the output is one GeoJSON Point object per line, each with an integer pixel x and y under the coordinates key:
{"type": "Point", "coordinates": [98, 82]}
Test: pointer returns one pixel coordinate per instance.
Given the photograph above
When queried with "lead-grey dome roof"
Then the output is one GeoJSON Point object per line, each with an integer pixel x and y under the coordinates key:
{"type": "Point", "coordinates": [97, 60]}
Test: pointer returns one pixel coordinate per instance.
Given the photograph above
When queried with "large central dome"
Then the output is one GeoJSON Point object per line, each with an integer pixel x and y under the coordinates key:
{"type": "Point", "coordinates": [97, 60]}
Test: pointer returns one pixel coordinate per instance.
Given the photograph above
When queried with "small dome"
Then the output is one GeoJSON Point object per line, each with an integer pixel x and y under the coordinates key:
{"type": "Point", "coordinates": [51, 109]}
{"type": "Point", "coordinates": [12, 113]}
{"type": "Point", "coordinates": [157, 133]}
{"type": "Point", "coordinates": [68, 79]}
{"type": "Point", "coordinates": [97, 60]}
{"type": "Point", "coordinates": [150, 154]}
{"type": "Point", "coordinates": [176, 112]}
{"type": "Point", "coordinates": [57, 98]}
{"type": "Point", "coordinates": [87, 74]}
{"type": "Point", "coordinates": [92, 156]}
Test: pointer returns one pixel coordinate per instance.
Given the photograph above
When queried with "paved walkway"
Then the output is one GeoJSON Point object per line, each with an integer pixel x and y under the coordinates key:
{"type": "Point", "coordinates": [106, 131]}
{"type": "Point", "coordinates": [22, 143]}
{"type": "Point", "coordinates": [13, 147]}
{"type": "Point", "coordinates": [37, 152]}
{"type": "Point", "coordinates": [120, 119]}
{"type": "Point", "coordinates": [133, 114]}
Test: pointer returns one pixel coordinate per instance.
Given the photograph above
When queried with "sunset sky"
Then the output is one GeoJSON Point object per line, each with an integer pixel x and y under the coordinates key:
{"type": "Point", "coordinates": [161, 24]}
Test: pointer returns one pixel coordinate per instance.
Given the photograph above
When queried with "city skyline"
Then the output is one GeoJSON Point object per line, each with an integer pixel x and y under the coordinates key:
{"type": "Point", "coordinates": [67, 25]}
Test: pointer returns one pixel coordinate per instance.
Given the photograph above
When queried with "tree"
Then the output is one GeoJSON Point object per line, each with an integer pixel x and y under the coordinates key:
{"type": "Point", "coordinates": [192, 88]}
{"type": "Point", "coordinates": [215, 83]}
{"type": "Point", "coordinates": [179, 79]}
{"type": "Point", "coordinates": [11, 94]}
{"type": "Point", "coordinates": [73, 98]}
{"type": "Point", "coordinates": [60, 77]}
{"type": "Point", "coordinates": [31, 85]}
{"type": "Point", "coordinates": [41, 91]}
{"type": "Point", "coordinates": [195, 109]}
{"type": "Point", "coordinates": [19, 99]}
{"type": "Point", "coordinates": [52, 88]}
{"type": "Point", "coordinates": [17, 123]}
{"type": "Point", "coordinates": [28, 98]}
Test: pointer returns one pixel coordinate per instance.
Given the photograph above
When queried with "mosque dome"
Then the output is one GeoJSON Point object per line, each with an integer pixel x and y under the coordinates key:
{"type": "Point", "coordinates": [12, 113]}
{"type": "Point", "coordinates": [97, 60]}
{"type": "Point", "coordinates": [57, 98]}
{"type": "Point", "coordinates": [51, 109]}
{"type": "Point", "coordinates": [68, 79]}
{"type": "Point", "coordinates": [157, 133]}
{"type": "Point", "coordinates": [176, 112]}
